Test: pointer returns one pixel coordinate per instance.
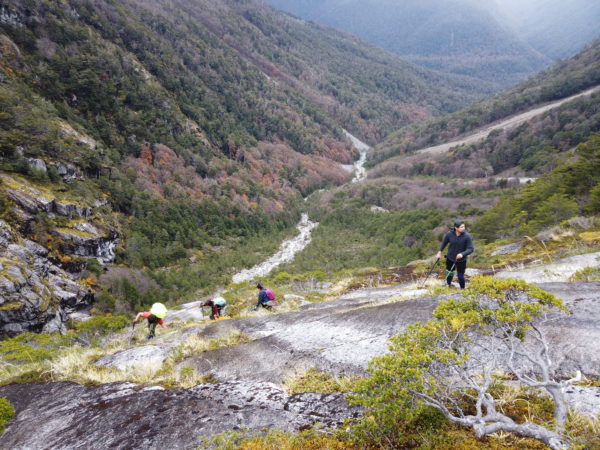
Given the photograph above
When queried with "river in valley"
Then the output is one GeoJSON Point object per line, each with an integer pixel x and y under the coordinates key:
{"type": "Point", "coordinates": [290, 247]}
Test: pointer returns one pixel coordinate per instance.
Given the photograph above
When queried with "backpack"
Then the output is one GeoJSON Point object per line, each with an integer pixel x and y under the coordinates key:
{"type": "Point", "coordinates": [159, 310]}
{"type": "Point", "coordinates": [270, 294]}
{"type": "Point", "coordinates": [219, 301]}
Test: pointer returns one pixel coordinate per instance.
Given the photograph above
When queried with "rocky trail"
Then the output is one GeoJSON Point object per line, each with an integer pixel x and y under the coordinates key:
{"type": "Point", "coordinates": [337, 337]}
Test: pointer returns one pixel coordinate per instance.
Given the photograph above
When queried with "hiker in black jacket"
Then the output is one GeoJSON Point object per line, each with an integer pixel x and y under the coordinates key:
{"type": "Point", "coordinates": [460, 246]}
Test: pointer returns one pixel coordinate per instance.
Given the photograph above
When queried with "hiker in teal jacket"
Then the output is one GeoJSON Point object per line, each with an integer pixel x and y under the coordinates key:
{"type": "Point", "coordinates": [460, 245]}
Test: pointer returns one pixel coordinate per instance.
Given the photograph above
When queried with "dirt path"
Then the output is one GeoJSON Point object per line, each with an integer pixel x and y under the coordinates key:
{"type": "Point", "coordinates": [505, 124]}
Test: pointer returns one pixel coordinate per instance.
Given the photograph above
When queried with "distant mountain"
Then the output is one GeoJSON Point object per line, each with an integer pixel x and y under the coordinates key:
{"type": "Point", "coordinates": [556, 28]}
{"type": "Point", "coordinates": [533, 147]}
{"type": "Point", "coordinates": [464, 37]}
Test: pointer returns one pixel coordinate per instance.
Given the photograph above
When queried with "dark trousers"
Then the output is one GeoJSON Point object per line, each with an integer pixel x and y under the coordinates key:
{"type": "Point", "coordinates": [152, 321]}
{"type": "Point", "coordinates": [459, 267]}
{"type": "Point", "coordinates": [216, 312]}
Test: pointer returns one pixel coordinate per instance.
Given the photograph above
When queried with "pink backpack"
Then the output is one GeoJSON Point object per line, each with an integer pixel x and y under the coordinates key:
{"type": "Point", "coordinates": [270, 294]}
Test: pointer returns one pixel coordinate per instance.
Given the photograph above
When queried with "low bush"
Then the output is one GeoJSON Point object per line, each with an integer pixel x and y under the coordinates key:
{"type": "Point", "coordinates": [102, 325]}
{"type": "Point", "coordinates": [7, 411]}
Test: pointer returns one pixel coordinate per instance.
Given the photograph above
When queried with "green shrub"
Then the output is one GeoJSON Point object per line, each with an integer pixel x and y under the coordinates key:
{"type": "Point", "coordinates": [315, 381]}
{"type": "Point", "coordinates": [31, 347]}
{"type": "Point", "coordinates": [102, 325]}
{"type": "Point", "coordinates": [94, 267]}
{"type": "Point", "coordinates": [7, 411]}
{"type": "Point", "coordinates": [432, 364]}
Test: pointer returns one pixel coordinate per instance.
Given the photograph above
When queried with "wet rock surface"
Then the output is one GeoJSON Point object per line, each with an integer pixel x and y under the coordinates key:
{"type": "Point", "coordinates": [560, 270]}
{"type": "Point", "coordinates": [147, 355]}
{"type": "Point", "coordinates": [125, 415]}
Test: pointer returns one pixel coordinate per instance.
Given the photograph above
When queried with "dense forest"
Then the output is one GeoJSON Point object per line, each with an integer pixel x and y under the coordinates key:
{"type": "Point", "coordinates": [567, 77]}
{"type": "Point", "coordinates": [463, 37]}
{"type": "Point", "coordinates": [198, 125]}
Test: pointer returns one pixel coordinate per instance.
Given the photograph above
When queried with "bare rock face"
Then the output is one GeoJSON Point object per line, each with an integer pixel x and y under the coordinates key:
{"type": "Point", "coordinates": [84, 239]}
{"type": "Point", "coordinates": [35, 295]}
{"type": "Point", "coordinates": [338, 337]}
{"type": "Point", "coordinates": [343, 335]}
{"type": "Point", "coordinates": [150, 355]}
{"type": "Point", "coordinates": [126, 415]}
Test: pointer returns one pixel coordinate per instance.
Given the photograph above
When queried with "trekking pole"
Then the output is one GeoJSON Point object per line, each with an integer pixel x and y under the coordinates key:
{"type": "Point", "coordinates": [430, 271]}
{"type": "Point", "coordinates": [450, 273]}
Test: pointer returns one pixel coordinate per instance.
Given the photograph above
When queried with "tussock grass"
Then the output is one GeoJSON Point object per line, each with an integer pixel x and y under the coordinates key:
{"type": "Point", "coordinates": [314, 380]}
{"type": "Point", "coordinates": [311, 439]}
{"type": "Point", "coordinates": [76, 362]}
{"type": "Point", "coordinates": [586, 274]}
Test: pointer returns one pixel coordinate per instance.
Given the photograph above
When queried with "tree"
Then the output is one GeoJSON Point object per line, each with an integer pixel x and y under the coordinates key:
{"type": "Point", "coordinates": [450, 362]}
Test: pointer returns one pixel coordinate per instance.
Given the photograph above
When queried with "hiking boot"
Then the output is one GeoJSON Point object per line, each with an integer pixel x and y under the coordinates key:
{"type": "Point", "coordinates": [150, 336]}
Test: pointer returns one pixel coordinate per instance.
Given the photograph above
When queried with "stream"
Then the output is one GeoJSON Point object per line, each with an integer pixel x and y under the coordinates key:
{"type": "Point", "coordinates": [290, 247]}
{"type": "Point", "coordinates": [286, 253]}
{"type": "Point", "coordinates": [359, 166]}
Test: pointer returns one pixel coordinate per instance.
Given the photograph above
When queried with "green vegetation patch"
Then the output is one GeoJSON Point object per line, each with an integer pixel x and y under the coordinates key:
{"type": "Point", "coordinates": [351, 236]}
{"type": "Point", "coordinates": [102, 325]}
{"type": "Point", "coordinates": [276, 440]}
{"type": "Point", "coordinates": [586, 274]}
{"type": "Point", "coordinates": [31, 347]}
{"type": "Point", "coordinates": [7, 412]}
{"type": "Point", "coordinates": [570, 190]}
{"type": "Point", "coordinates": [9, 306]}
{"type": "Point", "coordinates": [314, 380]}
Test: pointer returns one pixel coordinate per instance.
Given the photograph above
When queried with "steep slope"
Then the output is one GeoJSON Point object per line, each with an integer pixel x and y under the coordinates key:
{"type": "Point", "coordinates": [566, 78]}
{"type": "Point", "coordinates": [186, 129]}
{"type": "Point", "coordinates": [462, 37]}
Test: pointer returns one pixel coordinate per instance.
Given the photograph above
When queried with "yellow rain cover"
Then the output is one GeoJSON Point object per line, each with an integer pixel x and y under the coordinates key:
{"type": "Point", "coordinates": [159, 310]}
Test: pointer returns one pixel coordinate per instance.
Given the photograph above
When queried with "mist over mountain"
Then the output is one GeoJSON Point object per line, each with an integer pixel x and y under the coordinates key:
{"type": "Point", "coordinates": [462, 37]}
{"type": "Point", "coordinates": [555, 28]}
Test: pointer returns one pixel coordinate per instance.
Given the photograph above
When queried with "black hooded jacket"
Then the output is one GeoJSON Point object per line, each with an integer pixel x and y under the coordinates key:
{"type": "Point", "coordinates": [458, 244]}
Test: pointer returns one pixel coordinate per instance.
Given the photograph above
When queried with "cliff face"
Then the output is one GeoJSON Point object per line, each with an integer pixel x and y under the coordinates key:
{"type": "Point", "coordinates": [43, 251]}
{"type": "Point", "coordinates": [35, 294]}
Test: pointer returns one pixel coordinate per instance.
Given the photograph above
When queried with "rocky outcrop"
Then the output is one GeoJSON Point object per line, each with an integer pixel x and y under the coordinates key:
{"type": "Point", "coordinates": [342, 336]}
{"type": "Point", "coordinates": [125, 415]}
{"type": "Point", "coordinates": [82, 237]}
{"type": "Point", "coordinates": [560, 270]}
{"type": "Point", "coordinates": [35, 295]}
{"type": "Point", "coordinates": [35, 200]}
{"type": "Point", "coordinates": [85, 239]}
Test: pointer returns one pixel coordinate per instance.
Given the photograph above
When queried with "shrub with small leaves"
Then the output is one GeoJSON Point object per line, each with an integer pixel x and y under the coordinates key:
{"type": "Point", "coordinates": [7, 411]}
{"type": "Point", "coordinates": [102, 325]}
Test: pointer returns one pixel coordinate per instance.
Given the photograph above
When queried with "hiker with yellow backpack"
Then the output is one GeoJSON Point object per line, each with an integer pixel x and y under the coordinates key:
{"type": "Point", "coordinates": [155, 317]}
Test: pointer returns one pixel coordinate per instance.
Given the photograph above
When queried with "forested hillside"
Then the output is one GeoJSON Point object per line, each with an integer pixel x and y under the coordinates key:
{"type": "Point", "coordinates": [185, 130]}
{"type": "Point", "coordinates": [567, 77]}
{"type": "Point", "coordinates": [378, 227]}
{"type": "Point", "coordinates": [464, 37]}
